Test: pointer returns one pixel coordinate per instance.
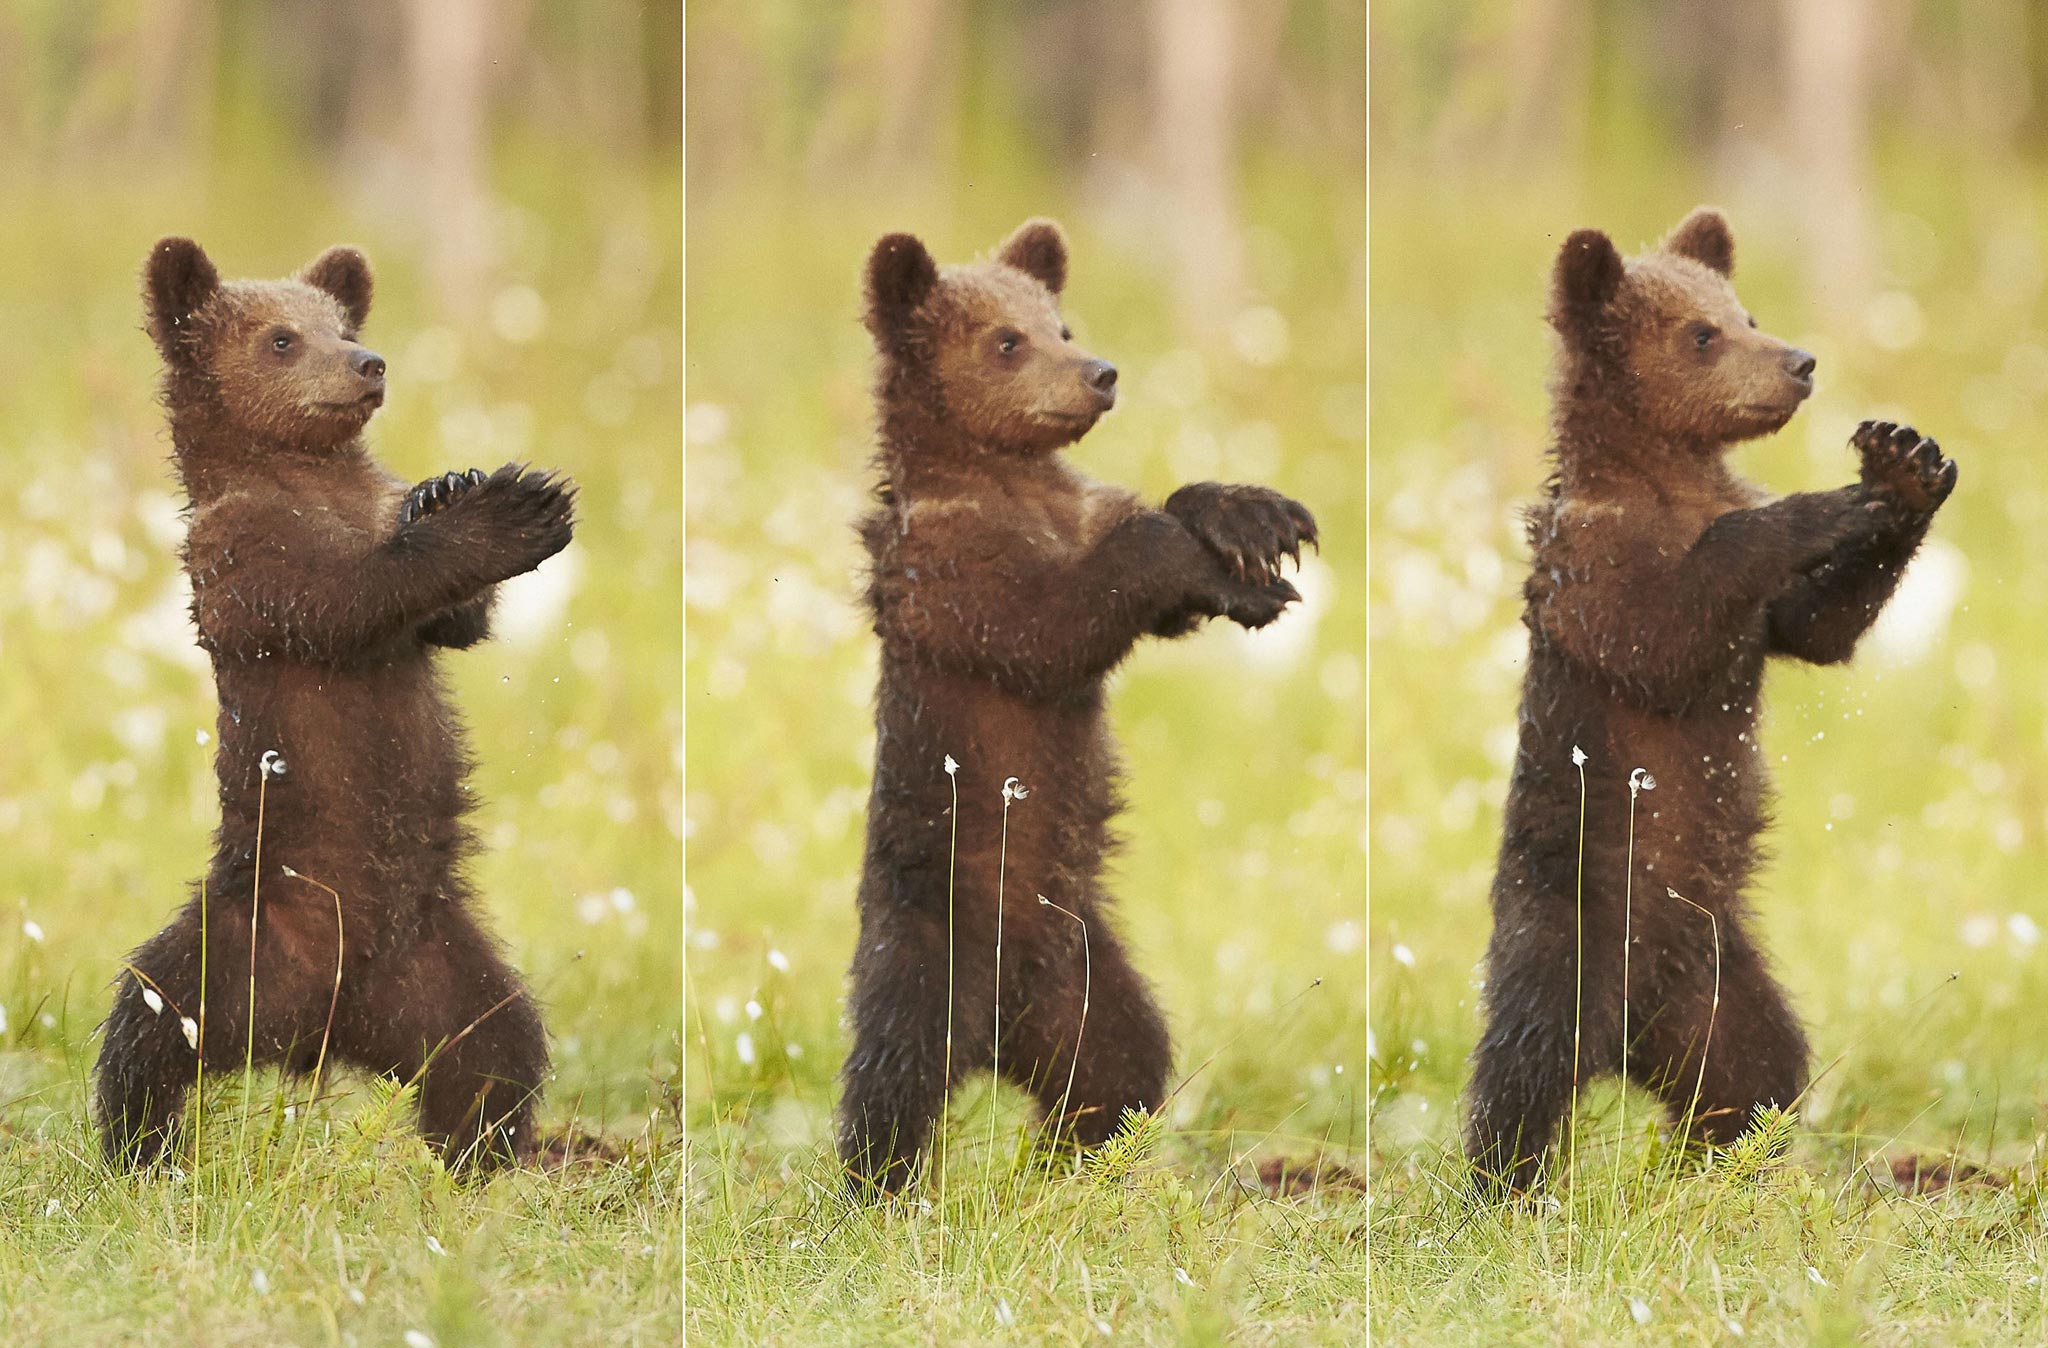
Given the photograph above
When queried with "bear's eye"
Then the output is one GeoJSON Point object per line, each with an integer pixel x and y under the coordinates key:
{"type": "Point", "coordinates": [1752, 320]}
{"type": "Point", "coordinates": [1066, 333]}
{"type": "Point", "coordinates": [1703, 336]}
{"type": "Point", "coordinates": [1008, 341]}
{"type": "Point", "coordinates": [281, 341]}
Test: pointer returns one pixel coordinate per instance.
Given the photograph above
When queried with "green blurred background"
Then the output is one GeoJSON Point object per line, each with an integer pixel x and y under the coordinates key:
{"type": "Point", "coordinates": [1885, 166]}
{"type": "Point", "coordinates": [1207, 161]}
{"type": "Point", "coordinates": [513, 171]}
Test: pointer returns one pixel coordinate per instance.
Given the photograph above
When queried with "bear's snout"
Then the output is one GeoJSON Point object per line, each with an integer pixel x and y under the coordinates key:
{"type": "Point", "coordinates": [1100, 376]}
{"type": "Point", "coordinates": [368, 365]}
{"type": "Point", "coordinates": [1800, 365]}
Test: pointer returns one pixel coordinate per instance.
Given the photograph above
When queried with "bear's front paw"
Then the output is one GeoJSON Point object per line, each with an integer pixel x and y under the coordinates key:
{"type": "Point", "coordinates": [1253, 606]}
{"type": "Point", "coordinates": [430, 495]}
{"type": "Point", "coordinates": [1248, 528]}
{"type": "Point", "coordinates": [1902, 465]}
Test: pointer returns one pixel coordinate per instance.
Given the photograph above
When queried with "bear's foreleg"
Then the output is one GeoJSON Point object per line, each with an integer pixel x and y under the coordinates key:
{"type": "Point", "coordinates": [1823, 613]}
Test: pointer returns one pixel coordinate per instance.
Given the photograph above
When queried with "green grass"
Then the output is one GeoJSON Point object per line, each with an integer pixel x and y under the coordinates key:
{"type": "Point", "coordinates": [1902, 899]}
{"type": "Point", "coordinates": [315, 1228]}
{"type": "Point", "coordinates": [1239, 887]}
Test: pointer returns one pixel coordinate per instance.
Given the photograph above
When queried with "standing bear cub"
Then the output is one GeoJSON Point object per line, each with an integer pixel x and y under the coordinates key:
{"type": "Point", "coordinates": [1661, 582]}
{"type": "Point", "coordinates": [335, 918]}
{"type": "Point", "coordinates": [1005, 586]}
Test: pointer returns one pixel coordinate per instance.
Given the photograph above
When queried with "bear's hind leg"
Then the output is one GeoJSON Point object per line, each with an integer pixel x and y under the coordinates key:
{"type": "Point", "coordinates": [145, 1065]}
{"type": "Point", "coordinates": [896, 1075]}
{"type": "Point", "coordinates": [447, 1011]}
{"type": "Point", "coordinates": [1754, 1050]}
{"type": "Point", "coordinates": [1089, 1063]}
{"type": "Point", "coordinates": [1522, 1070]}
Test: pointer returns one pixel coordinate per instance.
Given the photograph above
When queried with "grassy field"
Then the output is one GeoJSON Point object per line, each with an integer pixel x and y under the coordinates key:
{"type": "Point", "coordinates": [1240, 886]}
{"type": "Point", "coordinates": [1903, 902]}
{"type": "Point", "coordinates": [331, 1226]}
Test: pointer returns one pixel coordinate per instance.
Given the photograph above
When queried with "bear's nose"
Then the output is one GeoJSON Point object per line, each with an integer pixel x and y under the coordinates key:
{"type": "Point", "coordinates": [1799, 364]}
{"type": "Point", "coordinates": [1101, 376]}
{"type": "Point", "coordinates": [368, 364]}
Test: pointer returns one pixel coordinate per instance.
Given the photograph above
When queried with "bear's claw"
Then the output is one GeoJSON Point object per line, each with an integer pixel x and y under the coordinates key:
{"type": "Point", "coordinates": [436, 492]}
{"type": "Point", "coordinates": [1248, 528]}
{"type": "Point", "coordinates": [1904, 467]}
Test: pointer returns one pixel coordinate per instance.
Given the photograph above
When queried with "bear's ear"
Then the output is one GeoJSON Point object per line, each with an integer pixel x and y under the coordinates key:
{"type": "Point", "coordinates": [178, 280]}
{"type": "Point", "coordinates": [1039, 250]}
{"type": "Point", "coordinates": [901, 275]}
{"type": "Point", "coordinates": [345, 274]}
{"type": "Point", "coordinates": [1588, 276]}
{"type": "Point", "coordinates": [1704, 237]}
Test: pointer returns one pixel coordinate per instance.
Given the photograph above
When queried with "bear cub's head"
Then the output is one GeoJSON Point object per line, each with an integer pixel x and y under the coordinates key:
{"type": "Point", "coordinates": [279, 360]}
{"type": "Point", "coordinates": [981, 348]}
{"type": "Point", "coordinates": [1664, 333]}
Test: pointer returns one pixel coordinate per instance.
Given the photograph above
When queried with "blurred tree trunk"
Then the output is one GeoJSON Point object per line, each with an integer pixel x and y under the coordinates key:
{"type": "Point", "coordinates": [176, 44]}
{"type": "Point", "coordinates": [448, 46]}
{"type": "Point", "coordinates": [1828, 118]}
{"type": "Point", "coordinates": [1194, 124]}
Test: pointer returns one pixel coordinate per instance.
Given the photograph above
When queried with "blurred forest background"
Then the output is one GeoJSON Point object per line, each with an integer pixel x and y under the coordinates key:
{"type": "Point", "coordinates": [513, 170]}
{"type": "Point", "coordinates": [1885, 166]}
{"type": "Point", "coordinates": [1207, 160]}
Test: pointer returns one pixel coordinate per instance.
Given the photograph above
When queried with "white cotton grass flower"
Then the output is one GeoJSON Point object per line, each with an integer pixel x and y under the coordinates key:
{"type": "Point", "coordinates": [1578, 757]}
{"type": "Point", "coordinates": [2023, 929]}
{"type": "Point", "coordinates": [418, 1338]}
{"type": "Point", "coordinates": [53, 1207]}
{"type": "Point", "coordinates": [952, 768]}
{"type": "Point", "coordinates": [1639, 1310]}
{"type": "Point", "coordinates": [743, 1048]}
{"type": "Point", "coordinates": [1004, 1315]}
{"type": "Point", "coordinates": [260, 1280]}
{"type": "Point", "coordinates": [154, 1000]}
{"type": "Point", "coordinates": [753, 1009]}
{"type": "Point", "coordinates": [201, 738]}
{"type": "Point", "coordinates": [1180, 1275]}
{"type": "Point", "coordinates": [3, 1018]}
{"type": "Point", "coordinates": [32, 929]}
{"type": "Point", "coordinates": [1014, 789]}
{"type": "Point", "coordinates": [434, 1244]}
{"type": "Point", "coordinates": [271, 764]}
{"type": "Point", "coordinates": [1403, 956]}
{"type": "Point", "coordinates": [778, 961]}
{"type": "Point", "coordinates": [1813, 1276]}
{"type": "Point", "coordinates": [191, 1029]}
{"type": "Point", "coordinates": [1640, 780]}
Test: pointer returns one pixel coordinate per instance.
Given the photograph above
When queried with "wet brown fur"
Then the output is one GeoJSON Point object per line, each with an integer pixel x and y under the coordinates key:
{"type": "Point", "coordinates": [1660, 583]}
{"type": "Point", "coordinates": [321, 589]}
{"type": "Point", "coordinates": [1005, 586]}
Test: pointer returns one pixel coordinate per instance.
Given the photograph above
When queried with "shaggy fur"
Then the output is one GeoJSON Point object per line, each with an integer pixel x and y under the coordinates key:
{"type": "Point", "coordinates": [321, 587]}
{"type": "Point", "coordinates": [1660, 583]}
{"type": "Point", "coordinates": [1005, 586]}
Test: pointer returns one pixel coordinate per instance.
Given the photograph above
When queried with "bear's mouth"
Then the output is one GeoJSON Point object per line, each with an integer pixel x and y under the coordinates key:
{"type": "Point", "coordinates": [368, 402]}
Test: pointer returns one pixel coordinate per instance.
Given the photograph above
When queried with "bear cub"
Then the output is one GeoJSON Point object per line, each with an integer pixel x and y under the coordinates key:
{"type": "Point", "coordinates": [1660, 583]}
{"type": "Point", "coordinates": [336, 921]}
{"type": "Point", "coordinates": [1005, 586]}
